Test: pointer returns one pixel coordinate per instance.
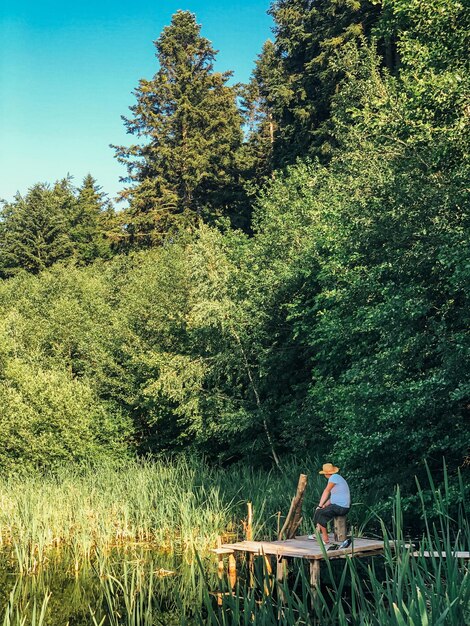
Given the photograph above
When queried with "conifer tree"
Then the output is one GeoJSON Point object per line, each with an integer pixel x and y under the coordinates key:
{"type": "Point", "coordinates": [261, 102]}
{"type": "Point", "coordinates": [191, 130]}
{"type": "Point", "coordinates": [93, 218]}
{"type": "Point", "coordinates": [309, 33]}
{"type": "Point", "coordinates": [34, 229]}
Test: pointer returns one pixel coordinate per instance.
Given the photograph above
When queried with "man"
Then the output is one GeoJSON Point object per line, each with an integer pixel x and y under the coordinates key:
{"type": "Point", "coordinates": [335, 500]}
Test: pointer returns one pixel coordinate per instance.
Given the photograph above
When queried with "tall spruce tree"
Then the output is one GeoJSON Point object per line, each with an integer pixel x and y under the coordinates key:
{"type": "Point", "coordinates": [262, 106]}
{"type": "Point", "coordinates": [191, 127]}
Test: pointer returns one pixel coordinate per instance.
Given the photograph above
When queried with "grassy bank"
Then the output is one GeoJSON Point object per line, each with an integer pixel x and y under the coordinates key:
{"type": "Point", "coordinates": [178, 506]}
{"type": "Point", "coordinates": [175, 506]}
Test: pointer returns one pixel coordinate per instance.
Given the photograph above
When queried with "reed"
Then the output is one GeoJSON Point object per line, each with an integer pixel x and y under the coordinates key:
{"type": "Point", "coordinates": [19, 613]}
{"type": "Point", "coordinates": [401, 588]}
{"type": "Point", "coordinates": [178, 506]}
{"type": "Point", "coordinates": [131, 586]}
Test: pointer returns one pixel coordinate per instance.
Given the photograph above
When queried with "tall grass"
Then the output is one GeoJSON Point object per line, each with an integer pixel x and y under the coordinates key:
{"type": "Point", "coordinates": [402, 587]}
{"type": "Point", "coordinates": [180, 506]}
{"type": "Point", "coordinates": [171, 505]}
{"type": "Point", "coordinates": [20, 613]}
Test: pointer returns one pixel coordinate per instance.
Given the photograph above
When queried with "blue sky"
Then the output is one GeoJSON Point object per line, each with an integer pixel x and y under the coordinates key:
{"type": "Point", "coordinates": [67, 72]}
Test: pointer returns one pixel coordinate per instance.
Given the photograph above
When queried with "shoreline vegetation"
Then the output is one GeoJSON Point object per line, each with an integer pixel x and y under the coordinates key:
{"type": "Point", "coordinates": [179, 505]}
{"type": "Point", "coordinates": [118, 525]}
{"type": "Point", "coordinates": [183, 505]}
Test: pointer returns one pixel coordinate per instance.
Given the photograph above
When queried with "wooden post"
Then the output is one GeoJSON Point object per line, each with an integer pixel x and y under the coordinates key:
{"type": "Point", "coordinates": [340, 528]}
{"type": "Point", "coordinates": [220, 558]}
{"type": "Point", "coordinates": [294, 517]}
{"type": "Point", "coordinates": [249, 537]}
{"type": "Point", "coordinates": [220, 568]}
{"type": "Point", "coordinates": [232, 570]}
{"type": "Point", "coordinates": [249, 523]}
{"type": "Point", "coordinates": [281, 571]}
{"type": "Point", "coordinates": [281, 568]}
{"type": "Point", "coordinates": [315, 575]}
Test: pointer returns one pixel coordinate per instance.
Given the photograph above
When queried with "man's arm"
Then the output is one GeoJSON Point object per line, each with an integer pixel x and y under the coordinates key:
{"type": "Point", "coordinates": [325, 496]}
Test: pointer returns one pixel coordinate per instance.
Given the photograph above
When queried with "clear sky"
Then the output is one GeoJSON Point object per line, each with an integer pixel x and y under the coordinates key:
{"type": "Point", "coordinates": [68, 69]}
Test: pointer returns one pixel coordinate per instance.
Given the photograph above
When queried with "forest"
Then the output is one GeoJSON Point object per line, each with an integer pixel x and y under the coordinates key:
{"type": "Point", "coordinates": [288, 271]}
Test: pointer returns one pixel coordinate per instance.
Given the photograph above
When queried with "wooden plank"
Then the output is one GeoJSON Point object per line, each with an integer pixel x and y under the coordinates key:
{"type": "Point", "coordinates": [303, 541]}
{"type": "Point", "coordinates": [457, 554]}
{"type": "Point", "coordinates": [222, 550]}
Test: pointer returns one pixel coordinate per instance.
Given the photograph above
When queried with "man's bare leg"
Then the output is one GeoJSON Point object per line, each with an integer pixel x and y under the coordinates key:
{"type": "Point", "coordinates": [324, 533]}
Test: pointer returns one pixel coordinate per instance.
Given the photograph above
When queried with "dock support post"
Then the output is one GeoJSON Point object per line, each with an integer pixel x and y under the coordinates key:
{"type": "Point", "coordinates": [249, 522]}
{"type": "Point", "coordinates": [281, 571]}
{"type": "Point", "coordinates": [249, 537]}
{"type": "Point", "coordinates": [220, 558]}
{"type": "Point", "coordinates": [232, 570]}
{"type": "Point", "coordinates": [340, 528]}
{"type": "Point", "coordinates": [315, 575]}
{"type": "Point", "coordinates": [220, 569]}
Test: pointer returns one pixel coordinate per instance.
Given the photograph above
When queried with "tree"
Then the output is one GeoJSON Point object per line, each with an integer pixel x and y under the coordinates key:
{"type": "Point", "coordinates": [389, 322]}
{"type": "Point", "coordinates": [92, 220]}
{"type": "Point", "coordinates": [261, 99]}
{"type": "Point", "coordinates": [188, 116]}
{"type": "Point", "coordinates": [51, 224]}
{"type": "Point", "coordinates": [308, 34]}
{"type": "Point", "coordinates": [48, 418]}
{"type": "Point", "coordinates": [34, 229]}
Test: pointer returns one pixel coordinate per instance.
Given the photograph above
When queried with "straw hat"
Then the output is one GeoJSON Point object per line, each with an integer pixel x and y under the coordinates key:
{"type": "Point", "coordinates": [329, 468]}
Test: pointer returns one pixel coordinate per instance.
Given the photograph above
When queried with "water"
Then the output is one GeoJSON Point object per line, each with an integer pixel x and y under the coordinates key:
{"type": "Point", "coordinates": [132, 586]}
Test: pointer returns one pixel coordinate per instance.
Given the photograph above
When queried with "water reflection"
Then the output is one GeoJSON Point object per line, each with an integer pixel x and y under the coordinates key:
{"type": "Point", "coordinates": [137, 586]}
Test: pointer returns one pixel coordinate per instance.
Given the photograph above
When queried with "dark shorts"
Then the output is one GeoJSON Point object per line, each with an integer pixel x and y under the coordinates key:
{"type": "Point", "coordinates": [323, 516]}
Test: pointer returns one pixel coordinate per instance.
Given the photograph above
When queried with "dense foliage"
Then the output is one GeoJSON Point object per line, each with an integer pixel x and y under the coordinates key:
{"type": "Point", "coordinates": [337, 323]}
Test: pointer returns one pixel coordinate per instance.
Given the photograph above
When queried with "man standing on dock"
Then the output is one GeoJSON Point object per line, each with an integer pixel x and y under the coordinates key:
{"type": "Point", "coordinates": [335, 500]}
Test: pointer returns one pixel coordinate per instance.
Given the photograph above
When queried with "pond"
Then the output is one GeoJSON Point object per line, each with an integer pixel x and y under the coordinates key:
{"type": "Point", "coordinates": [133, 586]}
{"type": "Point", "coordinates": [141, 586]}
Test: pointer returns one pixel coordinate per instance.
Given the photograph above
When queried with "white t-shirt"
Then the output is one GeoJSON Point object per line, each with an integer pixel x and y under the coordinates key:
{"type": "Point", "coordinates": [340, 493]}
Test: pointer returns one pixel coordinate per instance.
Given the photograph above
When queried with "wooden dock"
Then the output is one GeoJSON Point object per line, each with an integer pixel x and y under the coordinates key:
{"type": "Point", "coordinates": [289, 546]}
{"type": "Point", "coordinates": [297, 548]}
{"type": "Point", "coordinates": [302, 547]}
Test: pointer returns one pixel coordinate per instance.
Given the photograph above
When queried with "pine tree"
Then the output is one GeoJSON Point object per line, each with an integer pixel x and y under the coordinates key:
{"type": "Point", "coordinates": [187, 115]}
{"type": "Point", "coordinates": [93, 219]}
{"type": "Point", "coordinates": [261, 105]}
{"type": "Point", "coordinates": [34, 229]}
